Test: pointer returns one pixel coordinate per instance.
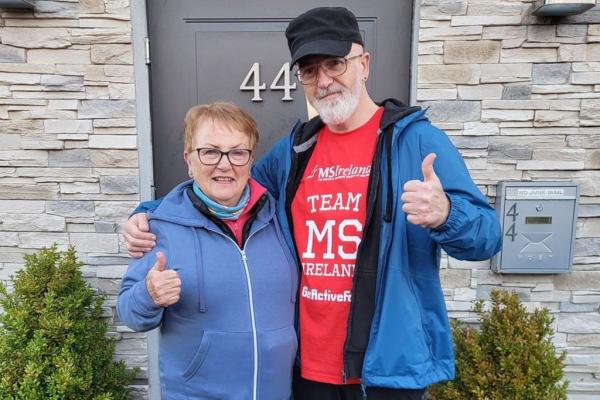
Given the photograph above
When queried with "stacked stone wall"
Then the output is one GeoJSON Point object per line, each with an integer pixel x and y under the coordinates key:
{"type": "Point", "coordinates": [68, 143]}
{"type": "Point", "coordinates": [520, 97]}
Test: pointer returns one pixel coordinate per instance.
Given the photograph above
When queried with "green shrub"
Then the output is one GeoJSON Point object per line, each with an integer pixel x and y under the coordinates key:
{"type": "Point", "coordinates": [511, 356]}
{"type": "Point", "coordinates": [52, 335]}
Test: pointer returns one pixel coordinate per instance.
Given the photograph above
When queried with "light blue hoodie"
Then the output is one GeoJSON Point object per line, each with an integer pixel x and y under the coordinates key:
{"type": "Point", "coordinates": [231, 335]}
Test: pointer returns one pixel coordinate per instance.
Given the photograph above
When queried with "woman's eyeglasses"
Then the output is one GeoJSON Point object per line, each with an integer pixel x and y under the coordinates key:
{"type": "Point", "coordinates": [212, 156]}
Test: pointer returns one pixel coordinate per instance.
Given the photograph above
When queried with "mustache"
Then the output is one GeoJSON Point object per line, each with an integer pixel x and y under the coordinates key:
{"type": "Point", "coordinates": [324, 92]}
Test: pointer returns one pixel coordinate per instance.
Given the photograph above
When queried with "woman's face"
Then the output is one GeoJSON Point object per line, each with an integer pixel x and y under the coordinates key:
{"type": "Point", "coordinates": [223, 182]}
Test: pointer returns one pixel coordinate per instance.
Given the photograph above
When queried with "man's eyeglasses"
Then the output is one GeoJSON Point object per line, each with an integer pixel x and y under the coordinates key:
{"type": "Point", "coordinates": [212, 156]}
{"type": "Point", "coordinates": [334, 66]}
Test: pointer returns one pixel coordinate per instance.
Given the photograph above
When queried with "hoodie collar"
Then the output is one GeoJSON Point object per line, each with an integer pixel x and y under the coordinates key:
{"type": "Point", "coordinates": [177, 207]}
{"type": "Point", "coordinates": [393, 111]}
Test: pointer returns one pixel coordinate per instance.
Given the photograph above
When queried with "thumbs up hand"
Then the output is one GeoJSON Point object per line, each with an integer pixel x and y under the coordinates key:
{"type": "Point", "coordinates": [425, 202]}
{"type": "Point", "coordinates": [163, 284]}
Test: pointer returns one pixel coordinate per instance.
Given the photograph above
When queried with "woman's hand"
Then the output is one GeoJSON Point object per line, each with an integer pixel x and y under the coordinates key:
{"type": "Point", "coordinates": [164, 285]}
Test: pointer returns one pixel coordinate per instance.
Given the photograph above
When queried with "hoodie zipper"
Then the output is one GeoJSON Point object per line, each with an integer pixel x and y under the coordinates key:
{"type": "Point", "coordinates": [252, 315]}
{"type": "Point", "coordinates": [253, 320]}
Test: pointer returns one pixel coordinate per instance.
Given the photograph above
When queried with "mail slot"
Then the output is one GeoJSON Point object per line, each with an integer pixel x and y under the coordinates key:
{"type": "Point", "coordinates": [538, 224]}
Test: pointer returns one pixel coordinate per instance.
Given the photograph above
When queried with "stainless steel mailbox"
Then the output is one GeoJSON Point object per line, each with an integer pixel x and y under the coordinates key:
{"type": "Point", "coordinates": [538, 225]}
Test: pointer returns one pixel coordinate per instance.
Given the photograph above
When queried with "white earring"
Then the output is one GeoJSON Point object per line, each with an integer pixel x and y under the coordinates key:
{"type": "Point", "coordinates": [190, 173]}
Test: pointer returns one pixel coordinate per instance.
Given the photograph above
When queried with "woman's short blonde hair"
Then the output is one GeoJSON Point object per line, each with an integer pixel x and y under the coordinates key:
{"type": "Point", "coordinates": [226, 113]}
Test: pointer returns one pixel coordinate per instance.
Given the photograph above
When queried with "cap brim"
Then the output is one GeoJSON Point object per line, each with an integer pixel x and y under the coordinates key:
{"type": "Point", "coordinates": [337, 48]}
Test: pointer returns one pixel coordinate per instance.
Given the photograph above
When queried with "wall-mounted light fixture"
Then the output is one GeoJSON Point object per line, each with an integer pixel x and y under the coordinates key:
{"type": "Point", "coordinates": [561, 8]}
{"type": "Point", "coordinates": [17, 3]}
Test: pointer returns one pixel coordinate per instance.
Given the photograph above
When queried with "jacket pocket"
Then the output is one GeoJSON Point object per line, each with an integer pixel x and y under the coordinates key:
{"type": "Point", "coordinates": [275, 361]}
{"type": "Point", "coordinates": [435, 316]}
{"type": "Point", "coordinates": [198, 358]}
{"type": "Point", "coordinates": [222, 367]}
{"type": "Point", "coordinates": [400, 345]}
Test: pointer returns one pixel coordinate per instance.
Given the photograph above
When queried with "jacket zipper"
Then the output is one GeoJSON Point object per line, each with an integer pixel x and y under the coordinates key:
{"type": "Point", "coordinates": [252, 315]}
{"type": "Point", "coordinates": [253, 320]}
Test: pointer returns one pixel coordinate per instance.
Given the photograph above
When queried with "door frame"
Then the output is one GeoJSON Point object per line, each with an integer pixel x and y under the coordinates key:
{"type": "Point", "coordinates": [139, 26]}
{"type": "Point", "coordinates": [143, 124]}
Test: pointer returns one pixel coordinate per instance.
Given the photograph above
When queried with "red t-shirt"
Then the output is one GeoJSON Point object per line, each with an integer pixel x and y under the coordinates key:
{"type": "Point", "coordinates": [328, 212]}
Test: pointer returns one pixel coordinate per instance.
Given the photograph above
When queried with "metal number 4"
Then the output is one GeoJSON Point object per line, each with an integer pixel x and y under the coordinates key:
{"type": "Point", "coordinates": [284, 73]}
{"type": "Point", "coordinates": [256, 87]}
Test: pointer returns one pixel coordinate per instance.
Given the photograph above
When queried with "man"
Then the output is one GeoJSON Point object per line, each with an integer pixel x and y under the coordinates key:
{"type": "Point", "coordinates": [366, 212]}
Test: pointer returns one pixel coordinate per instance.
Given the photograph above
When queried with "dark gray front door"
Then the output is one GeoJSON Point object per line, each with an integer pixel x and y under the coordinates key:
{"type": "Point", "coordinates": [235, 50]}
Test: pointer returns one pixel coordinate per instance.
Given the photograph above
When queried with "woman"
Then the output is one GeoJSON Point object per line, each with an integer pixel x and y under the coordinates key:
{"type": "Point", "coordinates": [221, 282]}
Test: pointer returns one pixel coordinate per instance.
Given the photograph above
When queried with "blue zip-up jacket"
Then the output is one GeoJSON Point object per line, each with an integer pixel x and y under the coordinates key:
{"type": "Point", "coordinates": [231, 335]}
{"type": "Point", "coordinates": [398, 332]}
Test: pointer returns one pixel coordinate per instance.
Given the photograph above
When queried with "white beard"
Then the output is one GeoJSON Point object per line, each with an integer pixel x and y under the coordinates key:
{"type": "Point", "coordinates": [335, 112]}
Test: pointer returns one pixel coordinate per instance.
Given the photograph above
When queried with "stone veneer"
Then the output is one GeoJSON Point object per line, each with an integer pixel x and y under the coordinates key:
{"type": "Point", "coordinates": [519, 96]}
{"type": "Point", "coordinates": [68, 143]}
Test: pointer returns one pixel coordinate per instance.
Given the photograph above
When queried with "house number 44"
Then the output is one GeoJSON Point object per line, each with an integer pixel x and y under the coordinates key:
{"type": "Point", "coordinates": [252, 82]}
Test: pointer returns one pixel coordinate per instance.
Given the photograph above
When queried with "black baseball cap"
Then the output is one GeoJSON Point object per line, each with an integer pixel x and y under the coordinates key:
{"type": "Point", "coordinates": [323, 30]}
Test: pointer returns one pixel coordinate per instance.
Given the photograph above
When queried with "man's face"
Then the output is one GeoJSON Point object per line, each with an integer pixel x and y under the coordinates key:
{"type": "Point", "coordinates": [335, 98]}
